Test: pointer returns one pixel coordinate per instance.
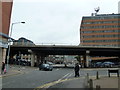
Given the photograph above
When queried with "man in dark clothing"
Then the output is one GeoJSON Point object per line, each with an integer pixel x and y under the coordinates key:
{"type": "Point", "coordinates": [3, 67]}
{"type": "Point", "coordinates": [77, 68]}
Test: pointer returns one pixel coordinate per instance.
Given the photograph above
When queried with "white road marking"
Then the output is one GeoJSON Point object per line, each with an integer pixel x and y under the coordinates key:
{"type": "Point", "coordinates": [69, 75]}
{"type": "Point", "coordinates": [63, 77]}
{"type": "Point", "coordinates": [57, 69]}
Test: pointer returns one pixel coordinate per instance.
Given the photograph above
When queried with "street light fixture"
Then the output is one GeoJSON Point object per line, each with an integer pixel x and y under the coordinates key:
{"type": "Point", "coordinates": [8, 54]}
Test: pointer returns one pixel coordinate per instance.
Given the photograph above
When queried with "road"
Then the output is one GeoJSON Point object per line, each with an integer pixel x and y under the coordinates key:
{"type": "Point", "coordinates": [33, 78]}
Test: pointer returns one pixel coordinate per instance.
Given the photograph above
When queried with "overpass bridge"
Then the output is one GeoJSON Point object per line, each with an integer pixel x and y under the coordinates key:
{"type": "Point", "coordinates": [43, 50]}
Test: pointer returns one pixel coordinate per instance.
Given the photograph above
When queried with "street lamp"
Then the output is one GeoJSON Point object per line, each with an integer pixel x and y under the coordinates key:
{"type": "Point", "coordinates": [9, 40]}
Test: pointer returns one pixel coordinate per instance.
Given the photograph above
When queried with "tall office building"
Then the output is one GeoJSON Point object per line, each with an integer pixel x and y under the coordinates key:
{"type": "Point", "coordinates": [100, 30]}
{"type": "Point", "coordinates": [5, 15]}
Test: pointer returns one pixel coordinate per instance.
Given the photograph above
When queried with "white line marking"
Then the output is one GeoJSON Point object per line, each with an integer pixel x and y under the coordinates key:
{"type": "Point", "coordinates": [69, 75]}
{"type": "Point", "coordinates": [63, 77]}
{"type": "Point", "coordinates": [56, 69]}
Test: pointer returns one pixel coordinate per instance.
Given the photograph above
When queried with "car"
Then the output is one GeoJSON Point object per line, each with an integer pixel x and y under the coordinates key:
{"type": "Point", "coordinates": [45, 67]}
{"type": "Point", "coordinates": [98, 64]}
{"type": "Point", "coordinates": [50, 63]}
{"type": "Point", "coordinates": [107, 64]}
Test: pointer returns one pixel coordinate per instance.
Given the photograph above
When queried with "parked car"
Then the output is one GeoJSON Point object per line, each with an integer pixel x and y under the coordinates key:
{"type": "Point", "coordinates": [45, 67]}
{"type": "Point", "coordinates": [50, 63]}
{"type": "Point", "coordinates": [107, 64]}
{"type": "Point", "coordinates": [98, 64]}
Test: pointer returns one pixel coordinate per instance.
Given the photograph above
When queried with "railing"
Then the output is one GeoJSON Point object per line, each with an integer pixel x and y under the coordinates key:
{"type": "Point", "coordinates": [56, 44]}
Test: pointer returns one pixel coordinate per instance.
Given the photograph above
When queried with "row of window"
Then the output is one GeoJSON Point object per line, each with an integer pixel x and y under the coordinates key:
{"type": "Point", "coordinates": [101, 31]}
{"type": "Point", "coordinates": [101, 22]}
{"type": "Point", "coordinates": [100, 36]}
{"type": "Point", "coordinates": [105, 26]}
{"type": "Point", "coordinates": [101, 17]}
{"type": "Point", "coordinates": [100, 41]}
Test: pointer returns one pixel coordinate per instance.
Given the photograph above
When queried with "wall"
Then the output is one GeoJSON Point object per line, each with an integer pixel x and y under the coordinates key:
{"type": "Point", "coordinates": [5, 16]}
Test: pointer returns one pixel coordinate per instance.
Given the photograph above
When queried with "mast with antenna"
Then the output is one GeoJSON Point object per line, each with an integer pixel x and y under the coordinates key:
{"type": "Point", "coordinates": [97, 10]}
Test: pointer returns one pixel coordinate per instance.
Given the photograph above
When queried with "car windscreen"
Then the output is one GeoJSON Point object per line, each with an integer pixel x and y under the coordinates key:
{"type": "Point", "coordinates": [46, 65]}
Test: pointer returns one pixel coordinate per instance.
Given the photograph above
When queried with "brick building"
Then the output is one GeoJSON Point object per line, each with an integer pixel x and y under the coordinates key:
{"type": "Point", "coordinates": [100, 30]}
{"type": "Point", "coordinates": [5, 15]}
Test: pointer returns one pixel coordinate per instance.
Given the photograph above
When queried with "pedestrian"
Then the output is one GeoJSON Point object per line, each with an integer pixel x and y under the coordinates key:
{"type": "Point", "coordinates": [3, 68]}
{"type": "Point", "coordinates": [77, 68]}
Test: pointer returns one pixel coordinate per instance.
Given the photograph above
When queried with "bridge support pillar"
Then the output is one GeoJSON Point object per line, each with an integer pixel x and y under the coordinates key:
{"type": "Point", "coordinates": [87, 58]}
{"type": "Point", "coordinates": [38, 60]}
{"type": "Point", "coordinates": [42, 59]}
{"type": "Point", "coordinates": [32, 59]}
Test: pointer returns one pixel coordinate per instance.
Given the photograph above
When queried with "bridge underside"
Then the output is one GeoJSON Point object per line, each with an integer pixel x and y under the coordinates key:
{"type": "Point", "coordinates": [42, 51]}
{"type": "Point", "coordinates": [67, 51]}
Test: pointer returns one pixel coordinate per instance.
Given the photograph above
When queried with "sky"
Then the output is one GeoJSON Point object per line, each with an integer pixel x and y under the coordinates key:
{"type": "Point", "coordinates": [55, 21]}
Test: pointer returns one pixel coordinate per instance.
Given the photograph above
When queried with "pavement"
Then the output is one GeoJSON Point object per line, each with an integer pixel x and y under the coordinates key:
{"type": "Point", "coordinates": [103, 82]}
{"type": "Point", "coordinates": [16, 69]}
{"type": "Point", "coordinates": [78, 82]}
{"type": "Point", "coordinates": [107, 82]}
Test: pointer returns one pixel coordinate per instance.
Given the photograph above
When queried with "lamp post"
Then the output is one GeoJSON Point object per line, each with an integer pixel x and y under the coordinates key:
{"type": "Point", "coordinates": [9, 40]}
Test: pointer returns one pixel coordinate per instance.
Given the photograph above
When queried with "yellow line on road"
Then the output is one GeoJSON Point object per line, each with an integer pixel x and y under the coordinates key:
{"type": "Point", "coordinates": [59, 81]}
{"type": "Point", "coordinates": [55, 82]}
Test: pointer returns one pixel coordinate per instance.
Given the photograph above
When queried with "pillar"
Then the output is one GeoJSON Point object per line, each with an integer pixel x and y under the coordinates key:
{"type": "Point", "coordinates": [42, 59]}
{"type": "Point", "coordinates": [3, 54]}
{"type": "Point", "coordinates": [22, 56]}
{"type": "Point", "coordinates": [38, 60]}
{"type": "Point", "coordinates": [81, 60]}
{"type": "Point", "coordinates": [32, 59]}
{"type": "Point", "coordinates": [87, 58]}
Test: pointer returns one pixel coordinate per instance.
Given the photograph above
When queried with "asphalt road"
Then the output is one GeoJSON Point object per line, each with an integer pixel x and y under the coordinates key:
{"type": "Point", "coordinates": [33, 78]}
{"type": "Point", "coordinates": [36, 78]}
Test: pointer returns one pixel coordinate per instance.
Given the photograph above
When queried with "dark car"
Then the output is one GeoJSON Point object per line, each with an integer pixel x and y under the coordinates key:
{"type": "Point", "coordinates": [45, 67]}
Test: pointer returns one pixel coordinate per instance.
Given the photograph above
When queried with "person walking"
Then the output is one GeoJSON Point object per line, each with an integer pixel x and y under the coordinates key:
{"type": "Point", "coordinates": [3, 68]}
{"type": "Point", "coordinates": [77, 68]}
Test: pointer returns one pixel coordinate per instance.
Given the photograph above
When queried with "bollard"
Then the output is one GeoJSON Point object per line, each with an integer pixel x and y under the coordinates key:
{"type": "Point", "coordinates": [97, 87]}
{"type": "Point", "coordinates": [87, 80]}
{"type": "Point", "coordinates": [87, 77]}
{"type": "Point", "coordinates": [118, 83]}
{"type": "Point", "coordinates": [97, 75]}
{"type": "Point", "coordinates": [91, 84]}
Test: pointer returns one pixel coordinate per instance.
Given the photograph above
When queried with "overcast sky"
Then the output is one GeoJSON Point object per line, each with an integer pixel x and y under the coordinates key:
{"type": "Point", "coordinates": [55, 21]}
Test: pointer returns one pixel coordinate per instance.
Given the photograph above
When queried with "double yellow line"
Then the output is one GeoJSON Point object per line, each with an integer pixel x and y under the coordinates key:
{"type": "Point", "coordinates": [55, 82]}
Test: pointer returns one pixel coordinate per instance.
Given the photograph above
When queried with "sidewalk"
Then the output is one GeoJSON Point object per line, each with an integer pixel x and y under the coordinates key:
{"type": "Point", "coordinates": [107, 82]}
{"type": "Point", "coordinates": [10, 73]}
{"type": "Point", "coordinates": [16, 69]}
{"type": "Point", "coordinates": [104, 82]}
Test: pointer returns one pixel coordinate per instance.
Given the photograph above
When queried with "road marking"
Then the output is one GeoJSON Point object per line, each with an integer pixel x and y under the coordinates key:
{"type": "Point", "coordinates": [57, 69]}
{"type": "Point", "coordinates": [63, 77]}
{"type": "Point", "coordinates": [55, 82]}
{"type": "Point", "coordinates": [66, 79]}
{"type": "Point", "coordinates": [69, 75]}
